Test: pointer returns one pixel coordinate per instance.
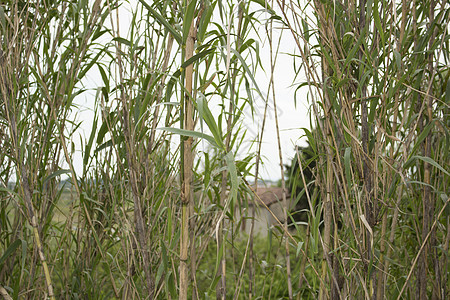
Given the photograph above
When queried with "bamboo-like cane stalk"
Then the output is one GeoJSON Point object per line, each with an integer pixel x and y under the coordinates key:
{"type": "Point", "coordinates": [188, 162]}
{"type": "Point", "coordinates": [280, 155]}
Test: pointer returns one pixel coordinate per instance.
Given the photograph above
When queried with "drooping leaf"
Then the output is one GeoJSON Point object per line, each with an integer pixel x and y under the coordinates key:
{"type": "Point", "coordinates": [55, 174]}
{"type": "Point", "coordinates": [206, 115]}
{"type": "Point", "coordinates": [428, 160]}
{"type": "Point", "coordinates": [191, 133]}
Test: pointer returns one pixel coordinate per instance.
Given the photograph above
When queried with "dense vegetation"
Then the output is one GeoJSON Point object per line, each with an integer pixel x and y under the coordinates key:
{"type": "Point", "coordinates": [154, 205]}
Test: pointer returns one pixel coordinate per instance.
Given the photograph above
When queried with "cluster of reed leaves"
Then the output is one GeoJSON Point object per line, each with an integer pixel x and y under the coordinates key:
{"type": "Point", "coordinates": [113, 230]}
{"type": "Point", "coordinates": [378, 79]}
{"type": "Point", "coordinates": [45, 53]}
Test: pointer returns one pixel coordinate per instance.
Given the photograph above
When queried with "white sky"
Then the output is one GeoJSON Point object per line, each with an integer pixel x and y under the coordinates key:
{"type": "Point", "coordinates": [291, 118]}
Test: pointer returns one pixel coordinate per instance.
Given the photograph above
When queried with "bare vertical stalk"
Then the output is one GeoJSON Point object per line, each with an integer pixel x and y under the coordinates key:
{"type": "Point", "coordinates": [327, 209]}
{"type": "Point", "coordinates": [427, 203]}
{"type": "Point", "coordinates": [252, 224]}
{"type": "Point", "coordinates": [280, 154]}
{"type": "Point", "coordinates": [369, 206]}
{"type": "Point", "coordinates": [188, 161]}
{"type": "Point", "coordinates": [221, 286]}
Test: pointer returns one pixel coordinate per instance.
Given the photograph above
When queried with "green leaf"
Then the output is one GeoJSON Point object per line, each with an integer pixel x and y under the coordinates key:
{"type": "Point", "coordinates": [2, 19]}
{"type": "Point", "coordinates": [246, 45]}
{"type": "Point", "coordinates": [229, 158]}
{"type": "Point", "coordinates": [421, 183]}
{"type": "Point", "coordinates": [104, 128]}
{"type": "Point", "coordinates": [109, 143]}
{"type": "Point", "coordinates": [247, 70]}
{"type": "Point", "coordinates": [398, 59]}
{"type": "Point", "coordinates": [5, 189]}
{"type": "Point", "coordinates": [159, 273]}
{"type": "Point", "coordinates": [376, 16]}
{"type": "Point", "coordinates": [373, 101]}
{"type": "Point", "coordinates": [171, 83]}
{"type": "Point", "coordinates": [206, 115]}
{"type": "Point", "coordinates": [299, 247]}
{"type": "Point", "coordinates": [188, 18]}
{"type": "Point", "coordinates": [305, 30]}
{"type": "Point", "coordinates": [428, 160]}
{"type": "Point", "coordinates": [98, 33]}
{"type": "Point", "coordinates": [56, 173]}
{"type": "Point", "coordinates": [421, 137]}
{"type": "Point", "coordinates": [171, 285]}
{"type": "Point", "coordinates": [348, 173]}
{"type": "Point", "coordinates": [196, 57]}
{"type": "Point", "coordinates": [205, 20]}
{"type": "Point", "coordinates": [12, 247]}
{"type": "Point", "coordinates": [89, 66]}
{"type": "Point", "coordinates": [355, 49]}
{"type": "Point", "coordinates": [88, 147]}
{"type": "Point", "coordinates": [121, 40]}
{"type": "Point", "coordinates": [190, 133]}
{"type": "Point", "coordinates": [218, 259]}
{"type": "Point", "coordinates": [104, 77]}
{"type": "Point", "coordinates": [265, 4]}
{"type": "Point", "coordinates": [163, 21]}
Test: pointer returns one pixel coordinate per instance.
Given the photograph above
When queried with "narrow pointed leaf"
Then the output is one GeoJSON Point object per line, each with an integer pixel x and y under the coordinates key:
{"type": "Point", "coordinates": [191, 133]}
{"type": "Point", "coordinates": [163, 21]}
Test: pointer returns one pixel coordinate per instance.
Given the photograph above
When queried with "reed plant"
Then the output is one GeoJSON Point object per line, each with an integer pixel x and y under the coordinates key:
{"type": "Point", "coordinates": [377, 77]}
{"type": "Point", "coordinates": [147, 200]}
